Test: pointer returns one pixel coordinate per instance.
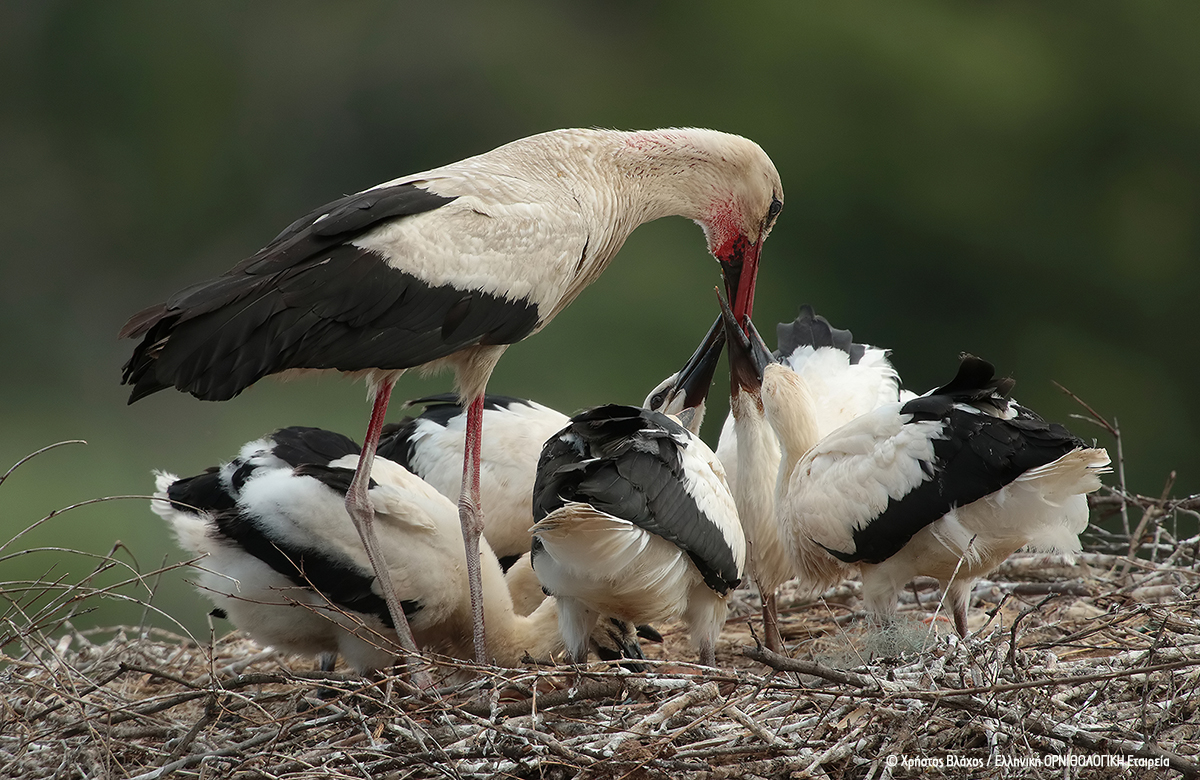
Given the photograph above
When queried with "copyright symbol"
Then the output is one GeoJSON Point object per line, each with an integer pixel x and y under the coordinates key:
{"type": "Point", "coordinates": [891, 762]}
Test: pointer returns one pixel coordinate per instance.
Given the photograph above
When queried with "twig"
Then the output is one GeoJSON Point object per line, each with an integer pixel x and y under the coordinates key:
{"type": "Point", "coordinates": [233, 750]}
{"type": "Point", "coordinates": [35, 453]}
{"type": "Point", "coordinates": [785, 664]}
{"type": "Point", "coordinates": [1113, 428]}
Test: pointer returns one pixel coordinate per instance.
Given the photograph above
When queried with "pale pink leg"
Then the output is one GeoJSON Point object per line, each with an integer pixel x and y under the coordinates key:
{"type": "Point", "coordinates": [362, 514]}
{"type": "Point", "coordinates": [770, 612]}
{"type": "Point", "coordinates": [961, 602]}
{"type": "Point", "coordinates": [470, 514]}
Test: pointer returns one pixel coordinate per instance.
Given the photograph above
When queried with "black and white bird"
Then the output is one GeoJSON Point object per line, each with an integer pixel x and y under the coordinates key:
{"type": "Point", "coordinates": [636, 522]}
{"type": "Point", "coordinates": [946, 485]}
{"type": "Point", "coordinates": [843, 380]}
{"type": "Point", "coordinates": [284, 564]}
{"type": "Point", "coordinates": [445, 269]}
{"type": "Point", "coordinates": [431, 444]}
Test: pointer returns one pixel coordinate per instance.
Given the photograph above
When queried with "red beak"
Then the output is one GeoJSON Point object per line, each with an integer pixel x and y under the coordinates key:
{"type": "Point", "coordinates": [739, 265]}
{"type": "Point", "coordinates": [743, 305]}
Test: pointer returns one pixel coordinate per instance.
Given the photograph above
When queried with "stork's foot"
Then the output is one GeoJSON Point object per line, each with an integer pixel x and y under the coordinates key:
{"type": "Point", "coordinates": [472, 525]}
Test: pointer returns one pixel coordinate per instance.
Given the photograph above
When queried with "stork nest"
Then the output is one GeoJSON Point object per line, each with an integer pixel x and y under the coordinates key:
{"type": "Point", "coordinates": [1087, 670]}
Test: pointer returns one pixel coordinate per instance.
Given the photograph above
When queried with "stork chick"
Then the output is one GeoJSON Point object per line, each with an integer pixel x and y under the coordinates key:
{"type": "Point", "coordinates": [285, 564]}
{"type": "Point", "coordinates": [946, 485]}
{"type": "Point", "coordinates": [431, 444]}
{"type": "Point", "coordinates": [635, 521]}
{"type": "Point", "coordinates": [840, 380]}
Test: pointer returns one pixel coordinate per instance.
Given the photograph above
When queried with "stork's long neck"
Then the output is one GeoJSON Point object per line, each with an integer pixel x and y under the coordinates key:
{"type": "Point", "coordinates": [754, 491]}
{"type": "Point", "coordinates": [523, 586]}
{"type": "Point", "coordinates": [618, 184]}
{"type": "Point", "coordinates": [791, 413]}
{"type": "Point", "coordinates": [511, 636]}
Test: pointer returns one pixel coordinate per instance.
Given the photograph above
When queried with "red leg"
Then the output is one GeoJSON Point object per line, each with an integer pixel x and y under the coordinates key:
{"type": "Point", "coordinates": [362, 514]}
{"type": "Point", "coordinates": [470, 514]}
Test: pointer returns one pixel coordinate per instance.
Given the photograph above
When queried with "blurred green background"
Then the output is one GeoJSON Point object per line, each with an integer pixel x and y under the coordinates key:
{"type": "Point", "coordinates": [1018, 180]}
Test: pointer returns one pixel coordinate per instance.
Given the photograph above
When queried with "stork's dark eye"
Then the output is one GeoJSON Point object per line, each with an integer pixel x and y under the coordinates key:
{"type": "Point", "coordinates": [776, 207]}
{"type": "Point", "coordinates": [656, 400]}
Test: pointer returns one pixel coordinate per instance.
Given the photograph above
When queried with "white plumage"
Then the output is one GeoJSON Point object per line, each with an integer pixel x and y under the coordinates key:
{"type": "Point", "coordinates": [844, 380]}
{"type": "Point", "coordinates": [946, 485]}
{"type": "Point", "coordinates": [286, 565]}
{"type": "Point", "coordinates": [841, 380]}
{"type": "Point", "coordinates": [635, 521]}
{"type": "Point", "coordinates": [445, 268]}
{"type": "Point", "coordinates": [431, 444]}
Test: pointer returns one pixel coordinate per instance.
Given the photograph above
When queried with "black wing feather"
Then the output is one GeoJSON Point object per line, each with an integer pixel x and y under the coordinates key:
{"type": "Point", "coordinates": [203, 492]}
{"type": "Point", "coordinates": [626, 461]}
{"type": "Point", "coordinates": [812, 330]}
{"type": "Point", "coordinates": [975, 455]}
{"type": "Point", "coordinates": [312, 300]}
{"type": "Point", "coordinates": [342, 582]}
{"type": "Point", "coordinates": [298, 445]}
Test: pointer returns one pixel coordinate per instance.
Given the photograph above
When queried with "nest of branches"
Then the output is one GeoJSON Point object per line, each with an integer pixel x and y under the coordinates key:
{"type": "Point", "coordinates": [1090, 669]}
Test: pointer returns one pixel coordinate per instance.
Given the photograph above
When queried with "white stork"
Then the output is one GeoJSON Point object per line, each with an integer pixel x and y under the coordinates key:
{"type": "Point", "coordinates": [446, 268]}
{"type": "Point", "coordinates": [284, 565]}
{"type": "Point", "coordinates": [431, 445]}
{"type": "Point", "coordinates": [843, 380]}
{"type": "Point", "coordinates": [635, 521]}
{"type": "Point", "coordinates": [946, 485]}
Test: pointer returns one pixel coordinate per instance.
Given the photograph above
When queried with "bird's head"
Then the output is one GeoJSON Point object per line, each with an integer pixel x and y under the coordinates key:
{"type": "Point", "coordinates": [687, 389]}
{"type": "Point", "coordinates": [760, 384]}
{"type": "Point", "coordinates": [739, 218]}
{"type": "Point", "coordinates": [725, 183]}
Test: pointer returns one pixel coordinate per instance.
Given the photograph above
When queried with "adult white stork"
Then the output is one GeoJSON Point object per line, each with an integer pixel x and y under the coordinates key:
{"type": "Point", "coordinates": [842, 380]}
{"type": "Point", "coordinates": [447, 267]}
{"type": "Point", "coordinates": [284, 565]}
{"type": "Point", "coordinates": [635, 521]}
{"type": "Point", "coordinates": [946, 485]}
{"type": "Point", "coordinates": [431, 445]}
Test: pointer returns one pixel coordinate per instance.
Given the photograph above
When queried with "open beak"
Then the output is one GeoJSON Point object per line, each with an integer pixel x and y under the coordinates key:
{"type": "Point", "coordinates": [684, 394]}
{"type": "Point", "coordinates": [748, 354]}
{"type": "Point", "coordinates": [696, 376]}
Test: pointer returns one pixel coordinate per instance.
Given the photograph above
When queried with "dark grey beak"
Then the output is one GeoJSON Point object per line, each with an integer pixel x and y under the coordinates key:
{"type": "Point", "coordinates": [696, 376]}
{"type": "Point", "coordinates": [621, 645]}
{"type": "Point", "coordinates": [748, 354]}
{"type": "Point", "coordinates": [688, 388]}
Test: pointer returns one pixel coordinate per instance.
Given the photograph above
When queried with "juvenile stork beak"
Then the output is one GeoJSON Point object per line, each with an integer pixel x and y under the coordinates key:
{"type": "Point", "coordinates": [748, 354]}
{"type": "Point", "coordinates": [683, 395]}
{"type": "Point", "coordinates": [696, 376]}
{"type": "Point", "coordinates": [620, 643]}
